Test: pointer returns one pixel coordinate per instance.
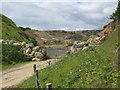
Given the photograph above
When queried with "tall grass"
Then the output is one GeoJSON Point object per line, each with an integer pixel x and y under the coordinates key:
{"type": "Point", "coordinates": [12, 55]}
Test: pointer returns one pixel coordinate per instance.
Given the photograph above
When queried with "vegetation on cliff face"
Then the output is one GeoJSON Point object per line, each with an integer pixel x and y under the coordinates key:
{"type": "Point", "coordinates": [116, 15]}
{"type": "Point", "coordinates": [11, 32]}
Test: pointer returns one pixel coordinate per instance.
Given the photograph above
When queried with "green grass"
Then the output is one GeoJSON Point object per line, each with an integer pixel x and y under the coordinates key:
{"type": "Point", "coordinates": [5, 67]}
{"type": "Point", "coordinates": [96, 67]}
{"type": "Point", "coordinates": [11, 55]}
{"type": "Point", "coordinates": [11, 32]}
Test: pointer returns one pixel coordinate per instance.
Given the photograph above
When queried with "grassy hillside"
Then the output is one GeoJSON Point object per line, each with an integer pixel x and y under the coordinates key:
{"type": "Point", "coordinates": [11, 32]}
{"type": "Point", "coordinates": [96, 67]}
{"type": "Point", "coordinates": [12, 55]}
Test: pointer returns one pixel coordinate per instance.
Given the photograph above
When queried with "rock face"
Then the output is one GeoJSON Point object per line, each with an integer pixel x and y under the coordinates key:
{"type": "Point", "coordinates": [36, 52]}
{"type": "Point", "coordinates": [94, 41]}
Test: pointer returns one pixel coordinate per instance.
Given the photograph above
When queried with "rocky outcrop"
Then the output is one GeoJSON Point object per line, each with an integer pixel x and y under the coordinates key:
{"type": "Point", "coordinates": [93, 41]}
{"type": "Point", "coordinates": [36, 52]}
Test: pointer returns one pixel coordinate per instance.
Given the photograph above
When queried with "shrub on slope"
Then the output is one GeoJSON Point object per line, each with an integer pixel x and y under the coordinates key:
{"type": "Point", "coordinates": [12, 55]}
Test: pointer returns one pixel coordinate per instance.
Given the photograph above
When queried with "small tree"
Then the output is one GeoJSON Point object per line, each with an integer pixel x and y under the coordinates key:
{"type": "Point", "coordinates": [113, 17]}
{"type": "Point", "coordinates": [118, 11]}
{"type": "Point", "coordinates": [116, 15]}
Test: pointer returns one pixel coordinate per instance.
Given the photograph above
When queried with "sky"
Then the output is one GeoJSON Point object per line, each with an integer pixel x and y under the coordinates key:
{"type": "Point", "coordinates": [69, 16]}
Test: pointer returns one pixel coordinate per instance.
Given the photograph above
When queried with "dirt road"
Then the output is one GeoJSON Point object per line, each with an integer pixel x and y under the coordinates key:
{"type": "Point", "coordinates": [16, 75]}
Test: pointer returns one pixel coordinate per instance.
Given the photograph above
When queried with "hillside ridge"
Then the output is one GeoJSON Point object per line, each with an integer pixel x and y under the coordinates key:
{"type": "Point", "coordinates": [10, 31]}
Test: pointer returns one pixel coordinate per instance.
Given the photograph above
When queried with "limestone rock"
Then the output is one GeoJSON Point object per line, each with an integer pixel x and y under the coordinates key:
{"type": "Point", "coordinates": [36, 52]}
{"type": "Point", "coordinates": [43, 52]}
{"type": "Point", "coordinates": [23, 44]}
{"type": "Point", "coordinates": [29, 45]}
{"type": "Point", "coordinates": [84, 48]}
{"type": "Point", "coordinates": [28, 51]}
{"type": "Point", "coordinates": [16, 44]}
{"type": "Point", "coordinates": [32, 54]}
{"type": "Point", "coordinates": [11, 42]}
{"type": "Point", "coordinates": [36, 59]}
{"type": "Point", "coordinates": [76, 42]}
{"type": "Point", "coordinates": [38, 55]}
{"type": "Point", "coordinates": [36, 48]}
{"type": "Point", "coordinates": [102, 38]}
{"type": "Point", "coordinates": [1, 41]}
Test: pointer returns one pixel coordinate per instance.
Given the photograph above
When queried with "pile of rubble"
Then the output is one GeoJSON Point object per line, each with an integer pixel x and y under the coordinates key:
{"type": "Point", "coordinates": [93, 41]}
{"type": "Point", "coordinates": [36, 52]}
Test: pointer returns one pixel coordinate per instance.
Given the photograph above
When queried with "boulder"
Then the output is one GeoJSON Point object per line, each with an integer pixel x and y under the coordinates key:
{"type": "Point", "coordinates": [89, 40]}
{"type": "Point", "coordinates": [38, 55]}
{"type": "Point", "coordinates": [24, 49]}
{"type": "Point", "coordinates": [23, 44]}
{"type": "Point", "coordinates": [6, 41]}
{"type": "Point", "coordinates": [31, 45]}
{"type": "Point", "coordinates": [82, 43]}
{"type": "Point", "coordinates": [44, 52]}
{"type": "Point", "coordinates": [36, 48]}
{"type": "Point", "coordinates": [78, 45]}
{"type": "Point", "coordinates": [1, 41]}
{"type": "Point", "coordinates": [11, 42]}
{"type": "Point", "coordinates": [36, 59]}
{"type": "Point", "coordinates": [97, 38]}
{"type": "Point", "coordinates": [76, 42]}
{"type": "Point", "coordinates": [28, 51]}
{"type": "Point", "coordinates": [32, 54]}
{"type": "Point", "coordinates": [84, 48]}
{"type": "Point", "coordinates": [40, 50]}
{"type": "Point", "coordinates": [102, 38]}
{"type": "Point", "coordinates": [16, 44]}
{"type": "Point", "coordinates": [72, 49]}
{"type": "Point", "coordinates": [68, 52]}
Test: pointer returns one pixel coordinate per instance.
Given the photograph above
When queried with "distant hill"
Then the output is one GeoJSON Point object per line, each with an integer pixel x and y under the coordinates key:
{"type": "Point", "coordinates": [57, 37]}
{"type": "Point", "coordinates": [11, 32]}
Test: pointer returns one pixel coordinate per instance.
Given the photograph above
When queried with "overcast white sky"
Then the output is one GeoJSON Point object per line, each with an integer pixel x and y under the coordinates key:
{"type": "Point", "coordinates": [59, 15]}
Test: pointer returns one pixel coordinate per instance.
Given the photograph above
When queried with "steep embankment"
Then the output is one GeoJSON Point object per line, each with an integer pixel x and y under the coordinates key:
{"type": "Point", "coordinates": [11, 32]}
{"type": "Point", "coordinates": [95, 67]}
